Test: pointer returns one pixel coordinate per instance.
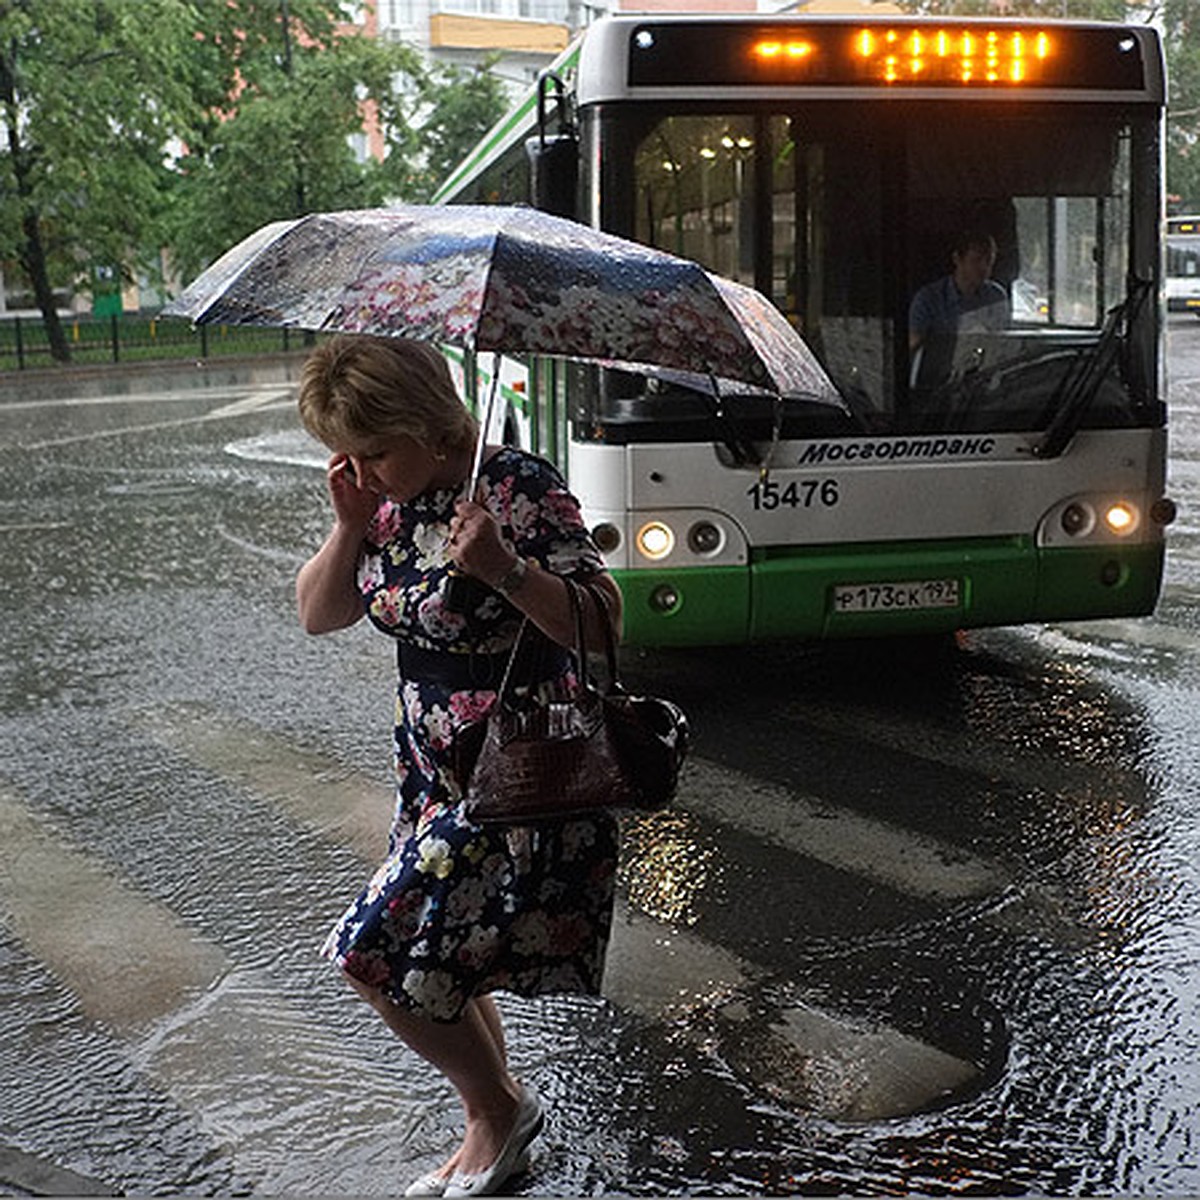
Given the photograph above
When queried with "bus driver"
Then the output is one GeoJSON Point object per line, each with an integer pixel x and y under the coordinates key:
{"type": "Point", "coordinates": [968, 300]}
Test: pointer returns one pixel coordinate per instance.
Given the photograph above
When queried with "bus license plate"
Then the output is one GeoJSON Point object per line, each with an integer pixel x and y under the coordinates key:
{"type": "Point", "coordinates": [895, 597]}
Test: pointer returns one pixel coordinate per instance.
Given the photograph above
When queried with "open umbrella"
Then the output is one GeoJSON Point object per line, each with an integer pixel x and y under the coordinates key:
{"type": "Point", "coordinates": [510, 280]}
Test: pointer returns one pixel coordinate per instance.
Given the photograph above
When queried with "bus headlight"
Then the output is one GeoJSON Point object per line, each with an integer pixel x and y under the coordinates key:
{"type": "Point", "coordinates": [606, 536]}
{"type": "Point", "coordinates": [1122, 518]}
{"type": "Point", "coordinates": [705, 538]}
{"type": "Point", "coordinates": [1078, 519]}
{"type": "Point", "coordinates": [1163, 511]}
{"type": "Point", "coordinates": [1099, 519]}
{"type": "Point", "coordinates": [655, 540]}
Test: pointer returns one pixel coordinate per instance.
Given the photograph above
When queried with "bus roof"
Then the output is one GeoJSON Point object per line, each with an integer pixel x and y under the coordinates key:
{"type": "Point", "coordinates": [708, 57]}
{"type": "Point", "coordinates": [675, 56]}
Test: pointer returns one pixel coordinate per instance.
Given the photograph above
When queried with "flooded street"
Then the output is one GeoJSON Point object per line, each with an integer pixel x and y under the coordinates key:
{"type": "Point", "coordinates": [926, 917]}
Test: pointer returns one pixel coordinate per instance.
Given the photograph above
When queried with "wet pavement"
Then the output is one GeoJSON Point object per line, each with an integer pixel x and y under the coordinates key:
{"type": "Point", "coordinates": [926, 917]}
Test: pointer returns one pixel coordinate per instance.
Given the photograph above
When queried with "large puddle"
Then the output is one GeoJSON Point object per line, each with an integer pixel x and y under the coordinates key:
{"type": "Point", "coordinates": [939, 935]}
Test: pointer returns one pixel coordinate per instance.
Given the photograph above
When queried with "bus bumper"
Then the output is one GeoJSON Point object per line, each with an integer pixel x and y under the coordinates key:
{"type": "Point", "coordinates": [888, 592]}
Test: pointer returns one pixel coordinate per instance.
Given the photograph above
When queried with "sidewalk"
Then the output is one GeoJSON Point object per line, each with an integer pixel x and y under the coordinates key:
{"type": "Point", "coordinates": [23, 1174]}
{"type": "Point", "coordinates": [116, 379]}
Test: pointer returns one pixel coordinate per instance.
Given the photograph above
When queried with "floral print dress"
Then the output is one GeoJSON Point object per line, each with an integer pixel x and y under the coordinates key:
{"type": "Point", "coordinates": [457, 910]}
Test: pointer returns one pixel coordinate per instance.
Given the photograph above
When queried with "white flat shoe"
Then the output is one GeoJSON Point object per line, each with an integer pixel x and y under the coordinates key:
{"type": "Point", "coordinates": [427, 1185]}
{"type": "Point", "coordinates": [433, 1184]}
{"type": "Point", "coordinates": [513, 1157]}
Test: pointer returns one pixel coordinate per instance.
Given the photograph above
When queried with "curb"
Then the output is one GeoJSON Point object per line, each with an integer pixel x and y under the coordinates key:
{"type": "Point", "coordinates": [53, 383]}
{"type": "Point", "coordinates": [23, 1174]}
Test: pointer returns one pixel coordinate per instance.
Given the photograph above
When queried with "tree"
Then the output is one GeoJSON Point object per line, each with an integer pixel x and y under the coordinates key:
{"type": "Point", "coordinates": [463, 106]}
{"type": "Point", "coordinates": [186, 124]}
{"type": "Point", "coordinates": [1180, 20]}
{"type": "Point", "coordinates": [279, 143]}
{"type": "Point", "coordinates": [89, 94]}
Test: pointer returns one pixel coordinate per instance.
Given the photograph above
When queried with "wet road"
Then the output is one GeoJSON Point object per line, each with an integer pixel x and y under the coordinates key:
{"type": "Point", "coordinates": [926, 918]}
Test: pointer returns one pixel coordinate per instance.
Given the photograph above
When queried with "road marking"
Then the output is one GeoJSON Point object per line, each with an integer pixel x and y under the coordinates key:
{"type": "Point", "coordinates": [913, 863]}
{"type": "Point", "coordinates": [830, 1066]}
{"type": "Point", "coordinates": [346, 806]}
{"type": "Point", "coordinates": [270, 1085]}
{"type": "Point", "coordinates": [834, 1068]}
{"type": "Point", "coordinates": [113, 399]}
{"type": "Point", "coordinates": [127, 959]}
{"type": "Point", "coordinates": [255, 403]}
{"type": "Point", "coordinates": [343, 806]}
{"type": "Point", "coordinates": [278, 1089]}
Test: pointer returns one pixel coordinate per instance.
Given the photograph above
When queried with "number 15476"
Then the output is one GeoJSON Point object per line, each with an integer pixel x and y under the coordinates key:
{"type": "Point", "coordinates": [769, 494]}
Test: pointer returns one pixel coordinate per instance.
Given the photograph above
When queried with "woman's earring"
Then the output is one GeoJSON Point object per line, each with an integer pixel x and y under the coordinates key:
{"type": "Point", "coordinates": [440, 455]}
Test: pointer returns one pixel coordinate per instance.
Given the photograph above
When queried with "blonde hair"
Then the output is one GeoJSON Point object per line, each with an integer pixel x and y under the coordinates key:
{"type": "Point", "coordinates": [356, 390]}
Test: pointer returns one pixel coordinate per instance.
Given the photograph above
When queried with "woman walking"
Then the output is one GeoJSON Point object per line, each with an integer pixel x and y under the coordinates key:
{"type": "Point", "coordinates": [455, 911]}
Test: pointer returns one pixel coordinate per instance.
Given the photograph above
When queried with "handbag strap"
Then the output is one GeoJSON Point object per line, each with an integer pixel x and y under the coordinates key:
{"type": "Point", "coordinates": [579, 649]}
{"type": "Point", "coordinates": [581, 655]}
{"type": "Point", "coordinates": [610, 645]}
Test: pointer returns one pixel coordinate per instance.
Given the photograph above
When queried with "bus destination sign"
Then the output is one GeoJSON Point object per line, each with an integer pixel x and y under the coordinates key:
{"type": "Point", "coordinates": [895, 55]}
{"type": "Point", "coordinates": [942, 55]}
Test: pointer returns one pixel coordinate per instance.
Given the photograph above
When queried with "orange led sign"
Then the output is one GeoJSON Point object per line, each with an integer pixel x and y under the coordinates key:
{"type": "Point", "coordinates": [934, 55]}
{"type": "Point", "coordinates": [969, 56]}
{"type": "Point", "coordinates": [785, 51]}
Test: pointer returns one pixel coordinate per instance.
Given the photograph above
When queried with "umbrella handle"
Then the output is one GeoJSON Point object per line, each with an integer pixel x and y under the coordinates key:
{"type": "Point", "coordinates": [461, 589]}
{"type": "Point", "coordinates": [481, 441]}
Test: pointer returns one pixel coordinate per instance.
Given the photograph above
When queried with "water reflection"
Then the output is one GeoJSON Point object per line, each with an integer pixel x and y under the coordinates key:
{"type": "Point", "coordinates": [667, 863]}
{"type": "Point", "coordinates": [165, 720]}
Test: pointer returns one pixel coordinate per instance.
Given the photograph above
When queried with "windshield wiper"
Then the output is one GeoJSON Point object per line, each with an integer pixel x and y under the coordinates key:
{"type": "Point", "coordinates": [726, 427]}
{"type": "Point", "coordinates": [1081, 384]}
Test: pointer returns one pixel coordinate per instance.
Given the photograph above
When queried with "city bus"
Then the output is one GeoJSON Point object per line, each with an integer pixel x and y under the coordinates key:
{"type": "Point", "coordinates": [832, 163]}
{"type": "Point", "coordinates": [1183, 264]}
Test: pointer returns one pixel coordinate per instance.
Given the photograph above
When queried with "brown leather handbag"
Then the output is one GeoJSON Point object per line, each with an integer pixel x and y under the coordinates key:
{"type": "Point", "coordinates": [597, 749]}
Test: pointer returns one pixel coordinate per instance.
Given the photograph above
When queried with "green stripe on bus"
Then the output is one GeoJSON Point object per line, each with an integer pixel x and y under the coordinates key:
{"type": "Point", "coordinates": [497, 137]}
{"type": "Point", "coordinates": [1001, 582]}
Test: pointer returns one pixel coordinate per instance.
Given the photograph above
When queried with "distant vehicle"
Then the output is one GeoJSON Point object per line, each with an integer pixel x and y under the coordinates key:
{"type": "Point", "coordinates": [1028, 304]}
{"type": "Point", "coordinates": [1183, 264]}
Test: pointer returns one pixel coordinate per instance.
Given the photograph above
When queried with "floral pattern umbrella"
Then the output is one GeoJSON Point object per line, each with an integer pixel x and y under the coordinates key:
{"type": "Point", "coordinates": [510, 280]}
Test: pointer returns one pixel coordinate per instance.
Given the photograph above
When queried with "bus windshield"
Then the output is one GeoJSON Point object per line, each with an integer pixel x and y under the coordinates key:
{"type": "Point", "coordinates": [843, 213]}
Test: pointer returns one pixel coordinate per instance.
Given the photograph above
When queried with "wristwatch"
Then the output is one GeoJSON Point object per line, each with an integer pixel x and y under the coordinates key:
{"type": "Point", "coordinates": [513, 578]}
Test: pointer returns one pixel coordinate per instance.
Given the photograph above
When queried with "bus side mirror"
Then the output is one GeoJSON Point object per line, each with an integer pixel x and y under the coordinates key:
{"type": "Point", "coordinates": [553, 157]}
{"type": "Point", "coordinates": [553, 172]}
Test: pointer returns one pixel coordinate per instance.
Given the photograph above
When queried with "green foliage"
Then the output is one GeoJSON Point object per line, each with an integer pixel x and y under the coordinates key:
{"type": "Point", "coordinates": [1180, 20]}
{"type": "Point", "coordinates": [90, 92]}
{"type": "Point", "coordinates": [282, 146]}
{"type": "Point", "coordinates": [463, 107]}
{"type": "Point", "coordinates": [128, 128]}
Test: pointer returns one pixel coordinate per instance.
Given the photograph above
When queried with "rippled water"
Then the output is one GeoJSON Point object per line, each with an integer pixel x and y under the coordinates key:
{"type": "Point", "coordinates": [188, 784]}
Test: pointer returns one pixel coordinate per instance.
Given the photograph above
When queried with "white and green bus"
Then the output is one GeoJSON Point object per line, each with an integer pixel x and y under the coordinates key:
{"type": "Point", "coordinates": [832, 163]}
{"type": "Point", "coordinates": [1183, 264]}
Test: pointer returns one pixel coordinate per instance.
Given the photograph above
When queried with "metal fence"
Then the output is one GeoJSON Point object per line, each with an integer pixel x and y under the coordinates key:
{"type": "Point", "coordinates": [133, 338]}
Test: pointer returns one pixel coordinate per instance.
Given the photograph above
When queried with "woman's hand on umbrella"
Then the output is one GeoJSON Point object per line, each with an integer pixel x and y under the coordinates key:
{"type": "Point", "coordinates": [476, 544]}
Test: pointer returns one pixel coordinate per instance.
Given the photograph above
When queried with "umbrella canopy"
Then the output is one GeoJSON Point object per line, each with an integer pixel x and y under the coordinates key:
{"type": "Point", "coordinates": [505, 279]}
